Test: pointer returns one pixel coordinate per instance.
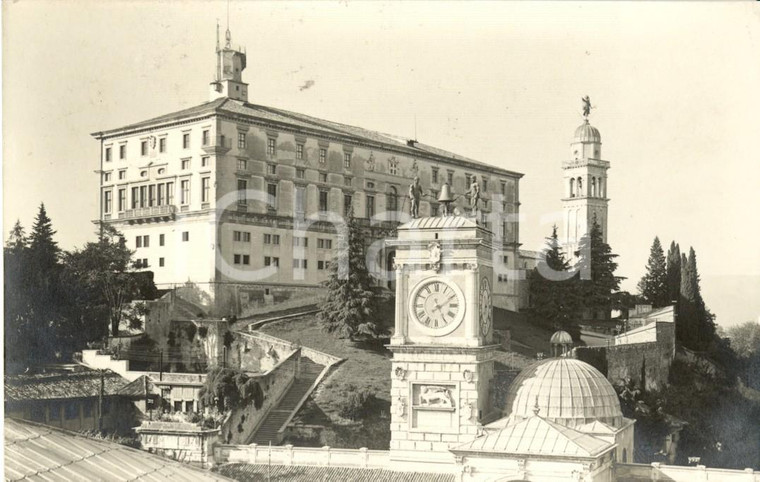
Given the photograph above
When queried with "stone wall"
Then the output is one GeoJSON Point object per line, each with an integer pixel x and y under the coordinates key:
{"type": "Point", "coordinates": [648, 361]}
{"type": "Point", "coordinates": [185, 442]}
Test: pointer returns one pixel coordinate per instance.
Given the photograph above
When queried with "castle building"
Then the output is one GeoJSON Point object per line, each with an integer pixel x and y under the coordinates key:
{"type": "Point", "coordinates": [244, 201]}
{"type": "Point", "coordinates": [585, 193]}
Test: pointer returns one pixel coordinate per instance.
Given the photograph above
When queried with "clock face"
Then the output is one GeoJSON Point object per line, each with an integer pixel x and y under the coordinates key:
{"type": "Point", "coordinates": [438, 306]}
{"type": "Point", "coordinates": [486, 310]}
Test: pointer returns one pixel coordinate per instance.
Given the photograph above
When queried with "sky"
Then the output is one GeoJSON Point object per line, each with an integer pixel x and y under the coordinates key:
{"type": "Point", "coordinates": [673, 85]}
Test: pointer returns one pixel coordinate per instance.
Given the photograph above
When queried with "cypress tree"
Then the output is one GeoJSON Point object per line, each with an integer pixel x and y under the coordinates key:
{"type": "Point", "coordinates": [43, 248]}
{"type": "Point", "coordinates": [703, 319]}
{"type": "Point", "coordinates": [674, 272]}
{"type": "Point", "coordinates": [350, 309]}
{"type": "Point", "coordinates": [597, 270]}
{"type": "Point", "coordinates": [653, 285]}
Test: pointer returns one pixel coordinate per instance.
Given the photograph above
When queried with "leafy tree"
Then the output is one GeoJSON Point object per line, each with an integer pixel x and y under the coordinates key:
{"type": "Point", "coordinates": [554, 290]}
{"type": "Point", "coordinates": [654, 284]}
{"type": "Point", "coordinates": [17, 309]}
{"type": "Point", "coordinates": [350, 309]}
{"type": "Point", "coordinates": [745, 338]}
{"type": "Point", "coordinates": [228, 389]}
{"type": "Point", "coordinates": [104, 284]}
{"type": "Point", "coordinates": [597, 267]}
{"type": "Point", "coordinates": [673, 270]}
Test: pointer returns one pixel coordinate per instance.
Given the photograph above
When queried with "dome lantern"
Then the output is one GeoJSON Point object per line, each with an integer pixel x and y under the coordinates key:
{"type": "Point", "coordinates": [561, 343]}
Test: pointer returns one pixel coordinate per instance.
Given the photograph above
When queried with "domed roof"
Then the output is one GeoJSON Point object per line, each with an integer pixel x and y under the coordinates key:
{"type": "Point", "coordinates": [587, 133]}
{"type": "Point", "coordinates": [567, 391]}
{"type": "Point", "coordinates": [561, 338]}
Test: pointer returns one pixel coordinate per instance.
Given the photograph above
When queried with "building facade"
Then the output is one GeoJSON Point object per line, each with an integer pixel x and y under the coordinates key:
{"type": "Point", "coordinates": [245, 201]}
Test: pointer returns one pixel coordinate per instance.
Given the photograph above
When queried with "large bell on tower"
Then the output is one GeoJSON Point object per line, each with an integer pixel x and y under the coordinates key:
{"type": "Point", "coordinates": [445, 196]}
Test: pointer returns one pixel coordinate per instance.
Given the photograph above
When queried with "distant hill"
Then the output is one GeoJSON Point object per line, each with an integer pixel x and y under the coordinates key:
{"type": "Point", "coordinates": [733, 299]}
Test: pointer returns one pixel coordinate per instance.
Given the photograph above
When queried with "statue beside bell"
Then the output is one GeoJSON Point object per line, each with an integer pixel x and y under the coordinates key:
{"type": "Point", "coordinates": [474, 193]}
{"type": "Point", "coordinates": [415, 193]}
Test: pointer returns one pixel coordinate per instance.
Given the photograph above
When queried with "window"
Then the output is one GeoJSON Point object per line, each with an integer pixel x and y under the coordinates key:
{"type": "Point", "coordinates": [241, 236]}
{"type": "Point", "coordinates": [161, 239]}
{"type": "Point", "coordinates": [204, 161]}
{"type": "Point", "coordinates": [347, 204]}
{"type": "Point", "coordinates": [370, 185]}
{"type": "Point", "coordinates": [347, 160]}
{"type": "Point", "coordinates": [272, 191]}
{"type": "Point", "coordinates": [186, 140]}
{"type": "Point", "coordinates": [205, 189]}
{"type": "Point", "coordinates": [485, 184]}
{"type": "Point", "coordinates": [370, 206]}
{"type": "Point", "coordinates": [122, 199]}
{"type": "Point", "coordinates": [300, 173]}
{"type": "Point", "coordinates": [185, 192]}
{"type": "Point", "coordinates": [185, 236]}
{"type": "Point", "coordinates": [142, 241]}
{"type": "Point", "coordinates": [271, 261]}
{"type": "Point", "coordinates": [143, 196]}
{"type": "Point", "coordinates": [242, 187]}
{"type": "Point", "coordinates": [106, 176]}
{"type": "Point", "coordinates": [242, 165]}
{"type": "Point", "coordinates": [503, 188]}
{"type": "Point", "coordinates": [321, 264]}
{"type": "Point", "coordinates": [299, 263]}
{"type": "Point", "coordinates": [272, 169]}
{"type": "Point", "coordinates": [435, 175]}
{"type": "Point", "coordinates": [152, 195]}
{"type": "Point", "coordinates": [323, 200]}
{"type": "Point", "coordinates": [143, 173]}
{"type": "Point", "coordinates": [161, 194]}
{"type": "Point", "coordinates": [177, 405]}
{"type": "Point", "coordinates": [322, 155]}
{"type": "Point", "coordinates": [271, 146]}
{"type": "Point", "coordinates": [301, 241]}
{"type": "Point", "coordinates": [71, 411]}
{"type": "Point", "coordinates": [143, 148]}
{"type": "Point", "coordinates": [185, 164]}
{"type": "Point", "coordinates": [299, 151]}
{"type": "Point", "coordinates": [108, 154]}
{"type": "Point", "coordinates": [189, 405]}
{"type": "Point", "coordinates": [55, 411]}
{"type": "Point", "coordinates": [271, 239]}
{"type": "Point", "coordinates": [107, 201]}
{"type": "Point", "coordinates": [242, 259]}
{"type": "Point", "coordinates": [392, 199]}
{"type": "Point", "coordinates": [122, 151]}
{"type": "Point", "coordinates": [241, 140]}
{"type": "Point", "coordinates": [205, 136]}
{"type": "Point", "coordinates": [122, 174]}
{"type": "Point", "coordinates": [322, 177]}
{"type": "Point", "coordinates": [450, 178]}
{"type": "Point", "coordinates": [393, 166]}
{"type": "Point", "coordinates": [324, 243]}
{"type": "Point", "coordinates": [162, 144]}
{"type": "Point", "coordinates": [135, 198]}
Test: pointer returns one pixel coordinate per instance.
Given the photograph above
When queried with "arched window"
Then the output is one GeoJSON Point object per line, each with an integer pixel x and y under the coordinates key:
{"type": "Point", "coordinates": [593, 187]}
{"type": "Point", "coordinates": [393, 199]}
{"type": "Point", "coordinates": [601, 192]}
{"type": "Point", "coordinates": [572, 187]}
{"type": "Point", "coordinates": [580, 187]}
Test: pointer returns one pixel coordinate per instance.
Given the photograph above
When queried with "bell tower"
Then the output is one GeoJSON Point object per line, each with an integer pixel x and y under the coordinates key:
{"type": "Point", "coordinates": [443, 349]}
{"type": "Point", "coordinates": [585, 180]}
{"type": "Point", "coordinates": [230, 63]}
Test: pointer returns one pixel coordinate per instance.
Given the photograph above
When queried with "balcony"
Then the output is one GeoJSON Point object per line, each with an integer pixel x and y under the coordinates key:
{"type": "Point", "coordinates": [218, 145]}
{"type": "Point", "coordinates": [154, 213]}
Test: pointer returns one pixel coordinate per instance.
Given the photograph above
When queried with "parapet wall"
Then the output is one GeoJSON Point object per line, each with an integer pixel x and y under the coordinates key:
{"type": "Point", "coordinates": [656, 471]}
{"type": "Point", "coordinates": [638, 361]}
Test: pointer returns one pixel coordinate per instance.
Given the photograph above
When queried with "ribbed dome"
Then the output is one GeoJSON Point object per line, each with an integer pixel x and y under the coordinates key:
{"type": "Point", "coordinates": [561, 338]}
{"type": "Point", "coordinates": [568, 391]}
{"type": "Point", "coordinates": [587, 133]}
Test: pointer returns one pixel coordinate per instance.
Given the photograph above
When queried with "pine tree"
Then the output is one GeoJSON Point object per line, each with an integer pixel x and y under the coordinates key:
{"type": "Point", "coordinates": [350, 308]}
{"type": "Point", "coordinates": [654, 284]}
{"type": "Point", "coordinates": [553, 292]}
{"type": "Point", "coordinates": [597, 271]}
{"type": "Point", "coordinates": [43, 248]}
{"type": "Point", "coordinates": [673, 270]}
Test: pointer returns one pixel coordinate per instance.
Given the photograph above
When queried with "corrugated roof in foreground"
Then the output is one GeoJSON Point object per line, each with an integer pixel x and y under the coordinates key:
{"type": "Point", "coordinates": [39, 452]}
{"type": "Point", "coordinates": [49, 386]}
{"type": "Point", "coordinates": [301, 473]}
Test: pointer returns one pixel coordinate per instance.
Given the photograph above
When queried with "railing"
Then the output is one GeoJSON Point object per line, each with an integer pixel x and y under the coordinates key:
{"type": "Point", "coordinates": [289, 455]}
{"type": "Point", "coordinates": [149, 212]}
{"type": "Point", "coordinates": [657, 471]}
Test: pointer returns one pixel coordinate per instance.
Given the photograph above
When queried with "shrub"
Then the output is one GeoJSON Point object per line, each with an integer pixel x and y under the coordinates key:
{"type": "Point", "coordinates": [358, 404]}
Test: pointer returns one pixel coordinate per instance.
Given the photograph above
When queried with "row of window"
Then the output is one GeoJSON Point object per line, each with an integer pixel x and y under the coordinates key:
{"type": "Point", "coordinates": [160, 143]}
{"type": "Point", "coordinates": [143, 241]}
{"type": "Point", "coordinates": [70, 409]}
{"type": "Point", "coordinates": [245, 260]}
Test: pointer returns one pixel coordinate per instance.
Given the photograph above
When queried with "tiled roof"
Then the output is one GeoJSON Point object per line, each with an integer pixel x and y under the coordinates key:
{"type": "Point", "coordinates": [596, 427]}
{"type": "Point", "coordinates": [48, 386]}
{"type": "Point", "coordinates": [136, 388]}
{"type": "Point", "coordinates": [439, 222]}
{"type": "Point", "coordinates": [39, 452]}
{"type": "Point", "coordinates": [537, 436]}
{"type": "Point", "coordinates": [302, 473]}
{"type": "Point", "coordinates": [287, 118]}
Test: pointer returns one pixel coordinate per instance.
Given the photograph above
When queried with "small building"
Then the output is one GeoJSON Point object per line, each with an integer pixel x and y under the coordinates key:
{"type": "Point", "coordinates": [73, 398]}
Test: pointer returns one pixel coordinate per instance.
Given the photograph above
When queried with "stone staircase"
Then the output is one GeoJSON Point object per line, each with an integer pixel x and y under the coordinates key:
{"type": "Point", "coordinates": [267, 431]}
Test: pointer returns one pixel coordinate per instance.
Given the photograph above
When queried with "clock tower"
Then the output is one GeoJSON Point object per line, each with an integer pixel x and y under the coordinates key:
{"type": "Point", "coordinates": [443, 341]}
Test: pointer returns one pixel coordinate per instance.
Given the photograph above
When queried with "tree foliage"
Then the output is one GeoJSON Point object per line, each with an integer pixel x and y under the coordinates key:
{"type": "Point", "coordinates": [654, 284]}
{"type": "Point", "coordinates": [349, 308]}
{"type": "Point", "coordinates": [554, 290]}
{"type": "Point", "coordinates": [695, 326]}
{"type": "Point", "coordinates": [597, 267]}
{"type": "Point", "coordinates": [228, 389]}
{"type": "Point", "coordinates": [673, 271]}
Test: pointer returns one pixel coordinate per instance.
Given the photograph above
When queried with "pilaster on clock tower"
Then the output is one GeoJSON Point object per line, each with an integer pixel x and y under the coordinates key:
{"type": "Point", "coordinates": [442, 346]}
{"type": "Point", "coordinates": [585, 191]}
